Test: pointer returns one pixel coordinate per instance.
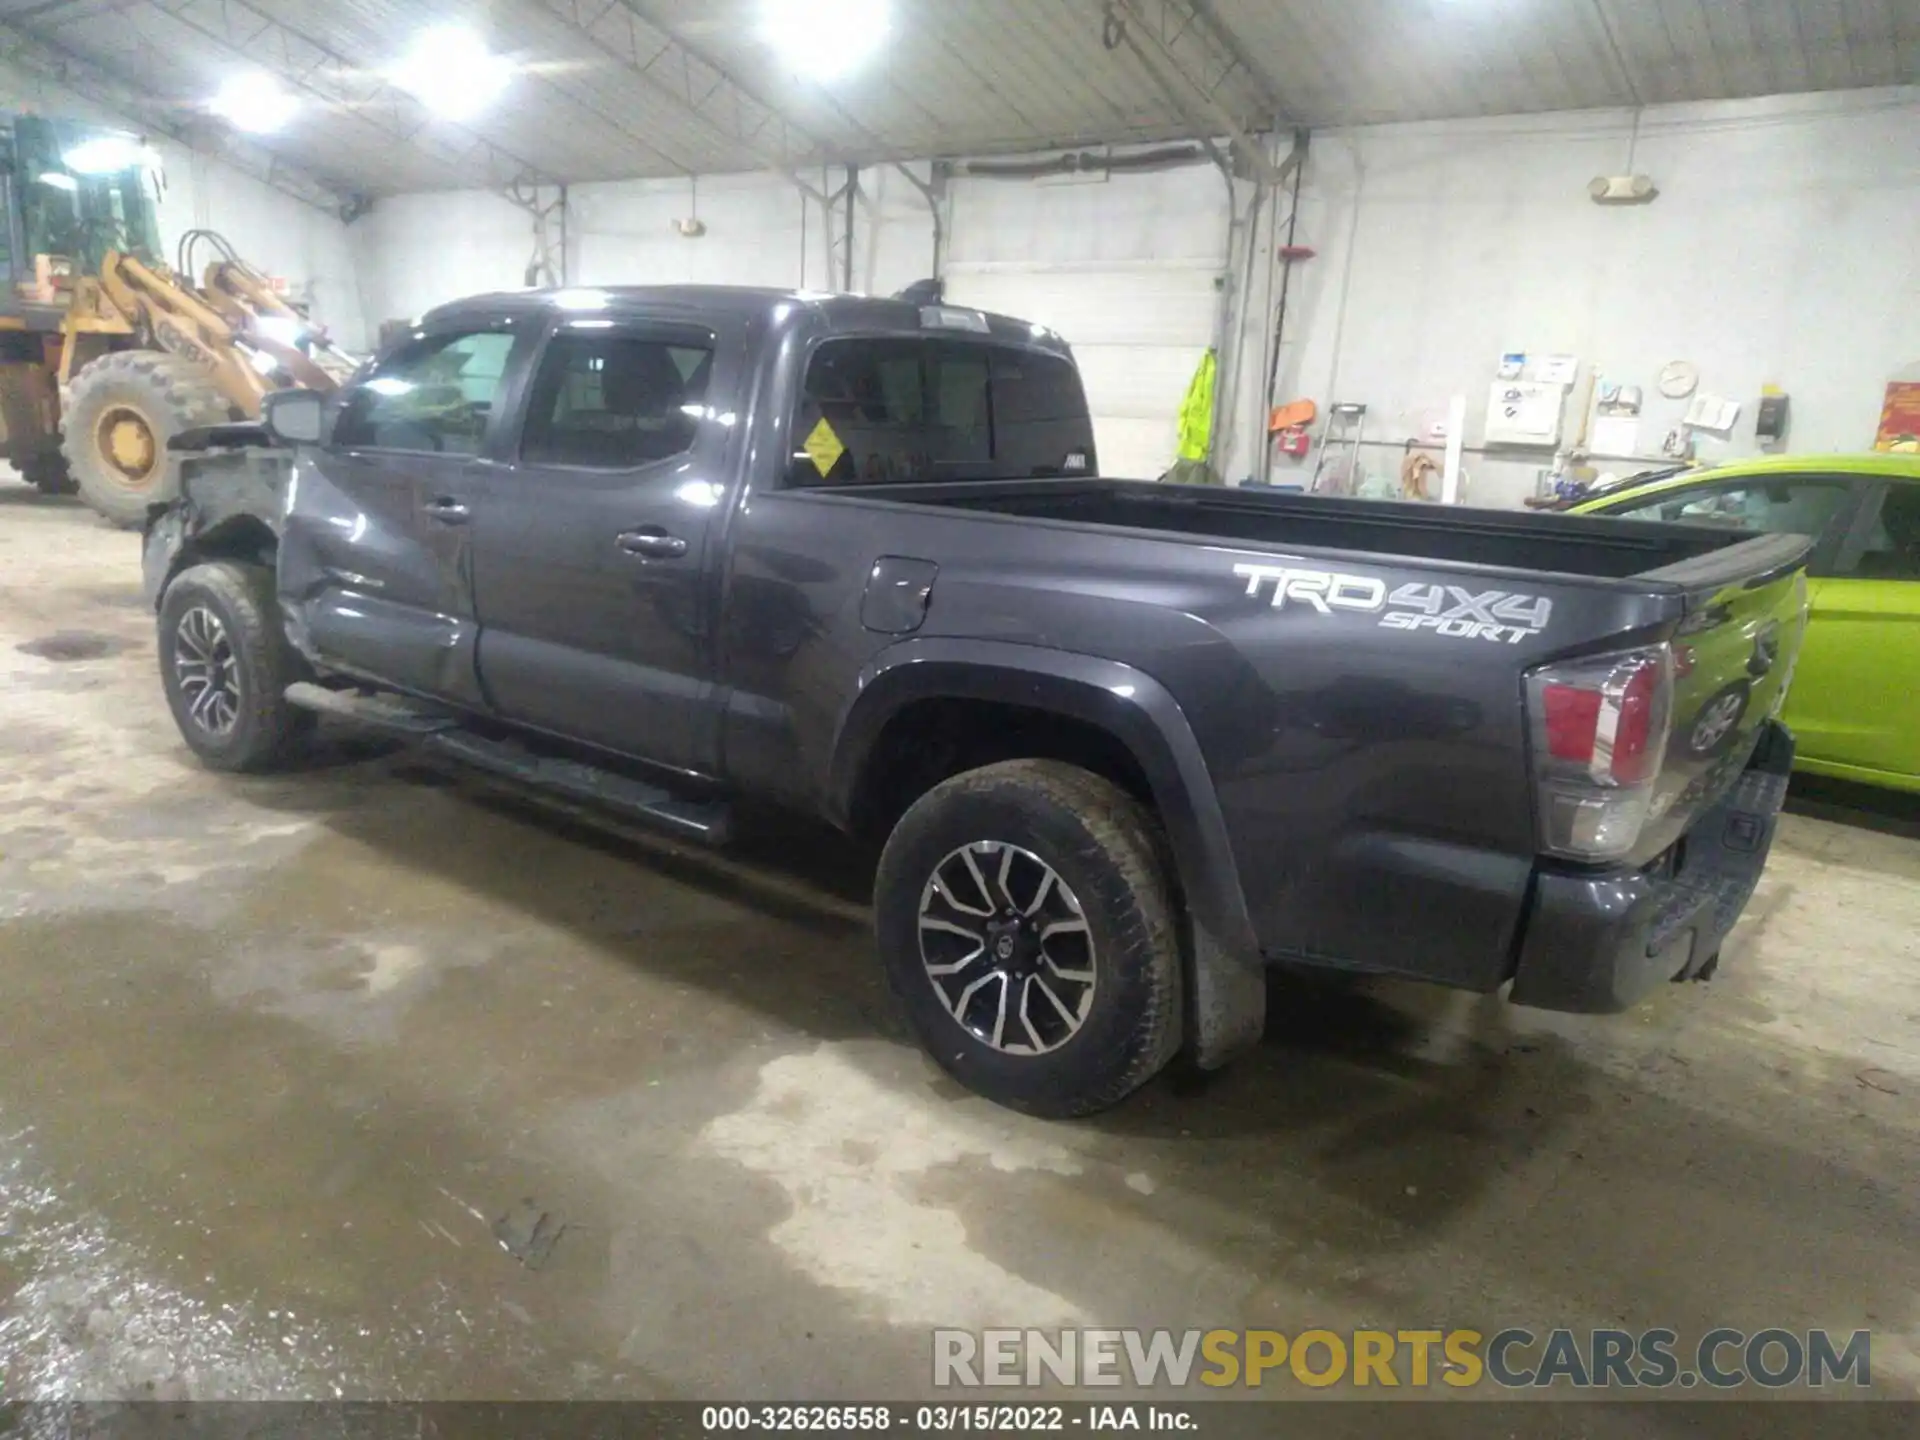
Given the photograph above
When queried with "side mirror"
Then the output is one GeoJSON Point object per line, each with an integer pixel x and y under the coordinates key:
{"type": "Point", "coordinates": [294, 417]}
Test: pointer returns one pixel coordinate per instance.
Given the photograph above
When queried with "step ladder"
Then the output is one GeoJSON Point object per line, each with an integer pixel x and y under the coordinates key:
{"type": "Point", "coordinates": [1338, 471]}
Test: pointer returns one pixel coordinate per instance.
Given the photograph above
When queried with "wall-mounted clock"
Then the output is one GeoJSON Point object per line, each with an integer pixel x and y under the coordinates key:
{"type": "Point", "coordinates": [1679, 379]}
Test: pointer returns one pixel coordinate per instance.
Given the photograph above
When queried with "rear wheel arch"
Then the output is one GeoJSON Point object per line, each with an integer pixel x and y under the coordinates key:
{"type": "Point", "coordinates": [1163, 767]}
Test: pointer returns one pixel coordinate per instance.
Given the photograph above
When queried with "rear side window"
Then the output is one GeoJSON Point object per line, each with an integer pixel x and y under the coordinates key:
{"type": "Point", "coordinates": [610, 401]}
{"type": "Point", "coordinates": [1892, 551]}
{"type": "Point", "coordinates": [1764, 507]}
{"type": "Point", "coordinates": [433, 395]}
{"type": "Point", "coordinates": [878, 411]}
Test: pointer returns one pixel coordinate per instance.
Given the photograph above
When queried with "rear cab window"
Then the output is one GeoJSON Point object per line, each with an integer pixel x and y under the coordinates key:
{"type": "Point", "coordinates": [899, 409]}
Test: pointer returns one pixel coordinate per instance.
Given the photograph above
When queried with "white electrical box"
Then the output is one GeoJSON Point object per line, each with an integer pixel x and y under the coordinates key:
{"type": "Point", "coordinates": [1524, 412]}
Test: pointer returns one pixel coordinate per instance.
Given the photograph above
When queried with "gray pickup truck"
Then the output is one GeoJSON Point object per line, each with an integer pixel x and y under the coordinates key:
{"type": "Point", "coordinates": [1126, 744]}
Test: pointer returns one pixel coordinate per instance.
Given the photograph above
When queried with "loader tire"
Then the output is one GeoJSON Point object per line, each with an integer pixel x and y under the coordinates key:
{"type": "Point", "coordinates": [120, 412]}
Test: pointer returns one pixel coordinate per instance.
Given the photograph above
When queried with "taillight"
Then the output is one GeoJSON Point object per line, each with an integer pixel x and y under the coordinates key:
{"type": "Point", "coordinates": [1599, 736]}
{"type": "Point", "coordinates": [1573, 721]}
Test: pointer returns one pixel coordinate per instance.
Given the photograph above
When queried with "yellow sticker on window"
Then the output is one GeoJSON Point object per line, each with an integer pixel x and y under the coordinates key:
{"type": "Point", "coordinates": [823, 447]}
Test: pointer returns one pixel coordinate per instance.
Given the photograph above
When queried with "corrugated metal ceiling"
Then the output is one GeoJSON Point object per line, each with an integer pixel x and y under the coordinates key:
{"type": "Point", "coordinates": [617, 88]}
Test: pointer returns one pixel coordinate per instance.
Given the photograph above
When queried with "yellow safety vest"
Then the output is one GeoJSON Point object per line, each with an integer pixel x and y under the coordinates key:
{"type": "Point", "coordinates": [1196, 411]}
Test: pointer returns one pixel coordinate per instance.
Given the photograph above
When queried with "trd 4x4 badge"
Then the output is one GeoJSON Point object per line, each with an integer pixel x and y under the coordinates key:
{"type": "Point", "coordinates": [1452, 611]}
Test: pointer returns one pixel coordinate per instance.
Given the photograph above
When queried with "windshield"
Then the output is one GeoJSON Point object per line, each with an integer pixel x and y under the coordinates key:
{"type": "Point", "coordinates": [82, 191]}
{"type": "Point", "coordinates": [1629, 482]}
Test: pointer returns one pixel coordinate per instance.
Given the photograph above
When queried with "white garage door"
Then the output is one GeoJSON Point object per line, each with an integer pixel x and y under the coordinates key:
{"type": "Point", "coordinates": [1137, 329]}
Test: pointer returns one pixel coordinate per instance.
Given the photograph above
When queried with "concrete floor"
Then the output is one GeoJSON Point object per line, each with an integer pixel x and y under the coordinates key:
{"type": "Point", "coordinates": [279, 1052]}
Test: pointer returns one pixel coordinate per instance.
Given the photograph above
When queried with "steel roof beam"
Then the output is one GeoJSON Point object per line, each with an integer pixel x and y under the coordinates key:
{"type": "Point", "coordinates": [727, 114]}
{"type": "Point", "coordinates": [334, 79]}
{"type": "Point", "coordinates": [1171, 41]}
{"type": "Point", "coordinates": [1272, 103]}
{"type": "Point", "coordinates": [139, 104]}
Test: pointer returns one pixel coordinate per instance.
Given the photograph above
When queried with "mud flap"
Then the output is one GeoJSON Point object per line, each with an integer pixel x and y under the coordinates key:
{"type": "Point", "coordinates": [1229, 1007]}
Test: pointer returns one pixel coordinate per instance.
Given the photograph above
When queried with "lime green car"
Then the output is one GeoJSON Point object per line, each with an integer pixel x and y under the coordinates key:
{"type": "Point", "coordinates": [1855, 702]}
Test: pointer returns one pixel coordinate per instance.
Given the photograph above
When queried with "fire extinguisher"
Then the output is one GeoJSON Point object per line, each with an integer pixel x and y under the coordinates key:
{"type": "Point", "coordinates": [1287, 427]}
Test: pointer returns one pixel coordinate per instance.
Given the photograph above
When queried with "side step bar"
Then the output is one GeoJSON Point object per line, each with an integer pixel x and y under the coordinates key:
{"type": "Point", "coordinates": [379, 712]}
{"type": "Point", "coordinates": [440, 733]}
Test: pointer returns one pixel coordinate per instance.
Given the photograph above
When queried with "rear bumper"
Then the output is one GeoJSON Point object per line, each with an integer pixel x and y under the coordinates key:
{"type": "Point", "coordinates": [1598, 943]}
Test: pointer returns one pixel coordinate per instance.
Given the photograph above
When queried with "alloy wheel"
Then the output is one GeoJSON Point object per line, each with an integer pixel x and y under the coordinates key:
{"type": "Point", "coordinates": [208, 675]}
{"type": "Point", "coordinates": [1007, 948]}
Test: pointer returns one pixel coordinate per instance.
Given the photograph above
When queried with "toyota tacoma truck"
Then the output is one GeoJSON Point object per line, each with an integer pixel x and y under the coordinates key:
{"type": "Point", "coordinates": [1123, 745]}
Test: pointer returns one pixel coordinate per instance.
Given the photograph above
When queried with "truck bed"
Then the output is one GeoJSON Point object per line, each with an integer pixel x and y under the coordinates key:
{"type": "Point", "coordinates": [1510, 540]}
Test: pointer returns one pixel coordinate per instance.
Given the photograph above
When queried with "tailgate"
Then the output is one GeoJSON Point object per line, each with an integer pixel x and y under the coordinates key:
{"type": "Point", "coordinates": [1733, 659]}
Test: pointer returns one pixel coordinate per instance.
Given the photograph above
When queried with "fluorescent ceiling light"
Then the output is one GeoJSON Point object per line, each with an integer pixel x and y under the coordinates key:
{"type": "Point", "coordinates": [823, 39]}
{"type": "Point", "coordinates": [57, 180]}
{"type": "Point", "coordinates": [105, 154]}
{"type": "Point", "coordinates": [450, 71]}
{"type": "Point", "coordinates": [254, 102]}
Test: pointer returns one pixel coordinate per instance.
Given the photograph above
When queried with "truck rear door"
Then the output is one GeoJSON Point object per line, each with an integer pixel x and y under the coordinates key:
{"type": "Point", "coordinates": [591, 538]}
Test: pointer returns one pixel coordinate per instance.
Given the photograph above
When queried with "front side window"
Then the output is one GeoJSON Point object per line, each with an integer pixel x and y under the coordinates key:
{"type": "Point", "coordinates": [1892, 551]}
{"type": "Point", "coordinates": [1763, 507]}
{"type": "Point", "coordinates": [875, 411]}
{"type": "Point", "coordinates": [613, 402]}
{"type": "Point", "coordinates": [433, 395]}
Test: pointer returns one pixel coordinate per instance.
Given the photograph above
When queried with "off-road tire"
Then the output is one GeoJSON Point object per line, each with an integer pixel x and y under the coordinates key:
{"type": "Point", "coordinates": [168, 394]}
{"type": "Point", "coordinates": [49, 474]}
{"type": "Point", "coordinates": [267, 732]}
{"type": "Point", "coordinates": [1101, 844]}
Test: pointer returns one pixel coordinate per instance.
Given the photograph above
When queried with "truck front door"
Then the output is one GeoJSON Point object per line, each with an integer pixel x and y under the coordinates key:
{"type": "Point", "coordinates": [590, 543]}
{"type": "Point", "coordinates": [375, 567]}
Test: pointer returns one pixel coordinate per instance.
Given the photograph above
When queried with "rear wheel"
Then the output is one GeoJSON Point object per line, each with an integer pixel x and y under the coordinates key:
{"type": "Point", "coordinates": [1025, 925]}
{"type": "Point", "coordinates": [226, 664]}
{"type": "Point", "coordinates": [120, 412]}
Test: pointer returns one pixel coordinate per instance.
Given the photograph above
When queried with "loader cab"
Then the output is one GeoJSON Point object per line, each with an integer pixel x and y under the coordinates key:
{"type": "Point", "coordinates": [72, 192]}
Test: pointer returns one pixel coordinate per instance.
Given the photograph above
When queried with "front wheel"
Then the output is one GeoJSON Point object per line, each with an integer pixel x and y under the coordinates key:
{"type": "Point", "coordinates": [226, 664]}
{"type": "Point", "coordinates": [1025, 925]}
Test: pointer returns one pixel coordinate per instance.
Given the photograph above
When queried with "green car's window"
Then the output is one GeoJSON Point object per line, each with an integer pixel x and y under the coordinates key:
{"type": "Point", "coordinates": [1767, 507]}
{"type": "Point", "coordinates": [1892, 550]}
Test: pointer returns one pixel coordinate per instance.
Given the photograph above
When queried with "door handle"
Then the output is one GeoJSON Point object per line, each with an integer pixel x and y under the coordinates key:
{"type": "Point", "coordinates": [652, 544]}
{"type": "Point", "coordinates": [447, 510]}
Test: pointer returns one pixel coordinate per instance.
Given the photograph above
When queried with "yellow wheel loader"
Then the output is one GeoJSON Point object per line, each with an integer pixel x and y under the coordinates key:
{"type": "Point", "coordinates": [105, 352]}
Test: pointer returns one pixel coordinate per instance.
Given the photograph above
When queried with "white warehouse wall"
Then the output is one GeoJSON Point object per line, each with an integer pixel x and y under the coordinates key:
{"type": "Point", "coordinates": [416, 251]}
{"type": "Point", "coordinates": [277, 233]}
{"type": "Point", "coordinates": [1124, 266]}
{"type": "Point", "coordinates": [1781, 250]}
